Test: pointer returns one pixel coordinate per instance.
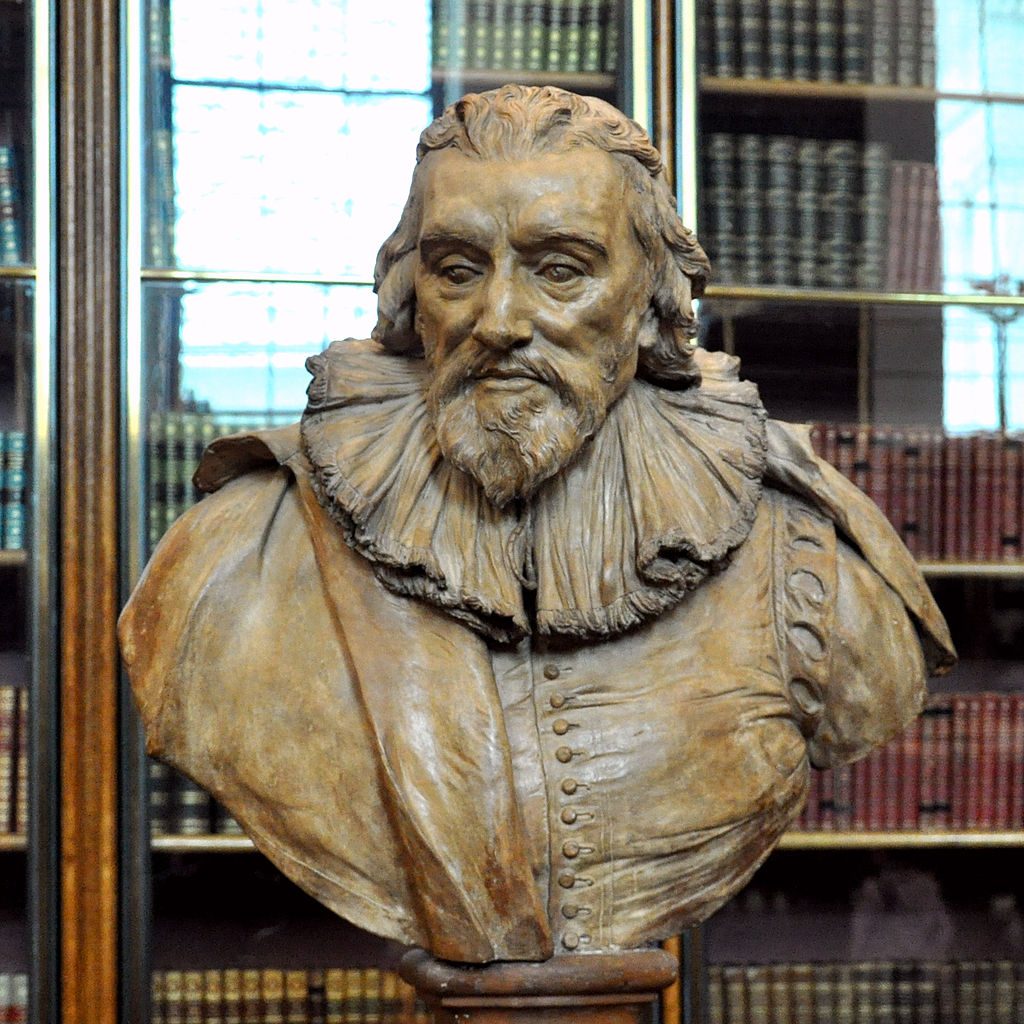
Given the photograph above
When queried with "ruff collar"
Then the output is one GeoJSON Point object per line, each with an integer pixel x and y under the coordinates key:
{"type": "Point", "coordinates": [656, 501]}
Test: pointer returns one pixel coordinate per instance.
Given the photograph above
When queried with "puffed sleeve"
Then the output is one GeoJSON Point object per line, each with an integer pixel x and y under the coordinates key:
{"type": "Point", "coordinates": [862, 631]}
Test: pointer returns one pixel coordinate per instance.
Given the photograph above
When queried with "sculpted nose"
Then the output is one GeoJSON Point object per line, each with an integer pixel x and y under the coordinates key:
{"type": "Point", "coordinates": [501, 324]}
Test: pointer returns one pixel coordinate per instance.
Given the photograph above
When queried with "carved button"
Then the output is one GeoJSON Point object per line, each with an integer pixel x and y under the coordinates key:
{"type": "Point", "coordinates": [571, 849]}
{"type": "Point", "coordinates": [561, 727]}
{"type": "Point", "coordinates": [568, 816]}
{"type": "Point", "coordinates": [566, 879]}
{"type": "Point", "coordinates": [570, 910]}
{"type": "Point", "coordinates": [570, 940]}
{"type": "Point", "coordinates": [564, 754]}
{"type": "Point", "coordinates": [557, 700]}
{"type": "Point", "coordinates": [551, 672]}
{"type": "Point", "coordinates": [569, 786]}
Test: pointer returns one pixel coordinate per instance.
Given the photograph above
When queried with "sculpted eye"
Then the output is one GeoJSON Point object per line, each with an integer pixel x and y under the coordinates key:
{"type": "Point", "coordinates": [458, 273]}
{"type": "Point", "coordinates": [560, 273]}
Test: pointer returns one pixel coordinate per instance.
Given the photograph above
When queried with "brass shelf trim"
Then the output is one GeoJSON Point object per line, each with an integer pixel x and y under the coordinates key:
{"type": "Point", "coordinates": [898, 840]}
{"type": "Point", "coordinates": [13, 843]}
{"type": "Point", "coordinates": [599, 80]}
{"type": "Point", "coordinates": [1012, 570]}
{"type": "Point", "coordinates": [832, 296]}
{"type": "Point", "coordinates": [25, 273]}
{"type": "Point", "coordinates": [170, 274]}
{"type": "Point", "coordinates": [778, 88]}
{"type": "Point", "coordinates": [13, 558]}
{"type": "Point", "coordinates": [202, 844]}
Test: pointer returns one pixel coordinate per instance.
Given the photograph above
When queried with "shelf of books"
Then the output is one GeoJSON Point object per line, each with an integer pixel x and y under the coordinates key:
{"type": "Point", "coordinates": [858, 194]}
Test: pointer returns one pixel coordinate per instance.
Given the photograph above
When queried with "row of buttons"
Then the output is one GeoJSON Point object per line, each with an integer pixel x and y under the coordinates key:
{"type": "Point", "coordinates": [571, 849]}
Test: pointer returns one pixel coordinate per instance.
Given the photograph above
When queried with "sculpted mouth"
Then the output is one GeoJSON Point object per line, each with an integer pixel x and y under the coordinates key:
{"type": "Point", "coordinates": [497, 373]}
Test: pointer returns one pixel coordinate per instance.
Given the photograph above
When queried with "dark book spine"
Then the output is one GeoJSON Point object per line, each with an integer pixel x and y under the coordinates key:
{"type": "Point", "coordinates": [612, 38]}
{"type": "Point", "coordinates": [479, 26]}
{"type": "Point", "coordinates": [735, 992]}
{"type": "Point", "coordinates": [781, 210]}
{"type": "Point", "coordinates": [1016, 811]}
{"type": "Point", "coordinates": [334, 985]}
{"type": "Point", "coordinates": [883, 42]}
{"type": "Point", "coordinates": [864, 995]}
{"type": "Point", "coordinates": [910, 487]}
{"type": "Point", "coordinates": [1002, 988]}
{"type": "Point", "coordinates": [8, 731]}
{"type": "Point", "coordinates": [855, 41]}
{"type": "Point", "coordinates": [157, 998]}
{"type": "Point", "coordinates": [15, 491]}
{"type": "Point", "coordinates": [515, 20]}
{"type": "Point", "coordinates": [843, 789]}
{"type": "Point", "coordinates": [779, 994]}
{"type": "Point", "coordinates": [907, 42]}
{"type": "Point", "coordinates": [841, 160]}
{"type": "Point", "coordinates": [824, 993]}
{"type": "Point", "coordinates": [272, 995]}
{"type": "Point", "coordinates": [556, 35]}
{"type": "Point", "coordinates": [296, 996]}
{"type": "Point", "coordinates": [926, 39]}
{"type": "Point", "coordinates": [536, 36]}
{"type": "Point", "coordinates": [593, 32]}
{"type": "Point", "coordinates": [499, 35]}
{"type": "Point", "coordinates": [802, 993]}
{"type": "Point", "coordinates": [802, 52]}
{"type": "Point", "coordinates": [778, 38]}
{"type": "Point", "coordinates": [212, 1001]}
{"type": "Point", "coordinates": [808, 203]}
{"type": "Point", "coordinates": [844, 994]}
{"type": "Point", "coordinates": [11, 230]}
{"type": "Point", "coordinates": [827, 28]}
{"type": "Point", "coordinates": [1012, 510]}
{"type": "Point", "coordinates": [873, 238]}
{"type": "Point", "coordinates": [441, 35]}
{"type": "Point", "coordinates": [752, 38]}
{"type": "Point", "coordinates": [252, 1001]}
{"type": "Point", "coordinates": [161, 784]}
{"type": "Point", "coordinates": [720, 212]}
{"type": "Point", "coordinates": [191, 807]}
{"type": "Point", "coordinates": [572, 37]}
{"type": "Point", "coordinates": [156, 450]}
{"type": "Point", "coordinates": [751, 152]}
{"type": "Point", "coordinates": [726, 24]}
{"type": "Point", "coordinates": [827, 801]}
{"type": "Point", "coordinates": [232, 989]}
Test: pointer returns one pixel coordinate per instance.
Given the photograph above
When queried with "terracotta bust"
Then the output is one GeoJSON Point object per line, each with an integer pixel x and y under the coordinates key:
{"type": "Point", "coordinates": [525, 640]}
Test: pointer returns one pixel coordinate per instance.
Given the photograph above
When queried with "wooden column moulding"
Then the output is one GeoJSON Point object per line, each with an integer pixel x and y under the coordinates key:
{"type": "Point", "coordinates": [88, 371]}
{"type": "Point", "coordinates": [663, 66]}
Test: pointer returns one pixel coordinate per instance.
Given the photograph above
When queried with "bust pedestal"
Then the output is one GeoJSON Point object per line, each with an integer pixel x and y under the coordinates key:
{"type": "Point", "coordinates": [604, 988]}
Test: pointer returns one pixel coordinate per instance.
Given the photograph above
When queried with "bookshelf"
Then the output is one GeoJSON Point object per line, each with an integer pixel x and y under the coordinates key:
{"type": "Point", "coordinates": [868, 337]}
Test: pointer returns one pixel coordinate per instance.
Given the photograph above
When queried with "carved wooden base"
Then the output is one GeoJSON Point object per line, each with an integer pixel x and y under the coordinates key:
{"type": "Point", "coordinates": [605, 988]}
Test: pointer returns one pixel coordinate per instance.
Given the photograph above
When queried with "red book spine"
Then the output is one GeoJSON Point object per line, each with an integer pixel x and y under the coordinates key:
{"type": "Point", "coordinates": [1017, 774]}
{"type": "Point", "coordinates": [817, 435]}
{"type": "Point", "coordinates": [846, 451]}
{"type": "Point", "coordinates": [897, 481]}
{"type": "Point", "coordinates": [936, 499]}
{"type": "Point", "coordinates": [893, 767]}
{"type": "Point", "coordinates": [861, 459]}
{"type": "Point", "coordinates": [987, 758]}
{"type": "Point", "coordinates": [926, 769]}
{"type": "Point", "coordinates": [809, 818]}
{"type": "Point", "coordinates": [972, 765]}
{"type": "Point", "coordinates": [879, 458]}
{"type": "Point", "coordinates": [942, 710]}
{"type": "Point", "coordinates": [993, 498]}
{"type": "Point", "coordinates": [861, 794]}
{"type": "Point", "coordinates": [911, 490]}
{"type": "Point", "coordinates": [1004, 761]}
{"type": "Point", "coordinates": [965, 505]}
{"type": "Point", "coordinates": [910, 778]}
{"type": "Point", "coordinates": [827, 818]}
{"type": "Point", "coordinates": [876, 790]}
{"type": "Point", "coordinates": [828, 444]}
{"type": "Point", "coordinates": [980, 497]}
{"type": "Point", "coordinates": [1012, 510]}
{"type": "Point", "coordinates": [950, 497]}
{"type": "Point", "coordinates": [959, 769]}
{"type": "Point", "coordinates": [843, 797]}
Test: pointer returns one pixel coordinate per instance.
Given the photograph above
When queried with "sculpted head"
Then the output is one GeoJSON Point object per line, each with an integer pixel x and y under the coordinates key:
{"type": "Point", "coordinates": [539, 265]}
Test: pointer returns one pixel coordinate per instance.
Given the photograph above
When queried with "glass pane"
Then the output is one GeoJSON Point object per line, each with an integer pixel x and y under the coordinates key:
{"type": "Point", "coordinates": [15, 639]}
{"type": "Point", "coordinates": [830, 161]}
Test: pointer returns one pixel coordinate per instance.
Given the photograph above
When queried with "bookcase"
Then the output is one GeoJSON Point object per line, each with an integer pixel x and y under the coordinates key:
{"type": "Point", "coordinates": [857, 189]}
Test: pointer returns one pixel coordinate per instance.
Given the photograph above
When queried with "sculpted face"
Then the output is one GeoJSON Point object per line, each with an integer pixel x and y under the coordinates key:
{"type": "Point", "coordinates": [530, 291]}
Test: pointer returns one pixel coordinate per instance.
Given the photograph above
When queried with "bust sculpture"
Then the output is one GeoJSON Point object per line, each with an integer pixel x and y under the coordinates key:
{"type": "Point", "coordinates": [525, 640]}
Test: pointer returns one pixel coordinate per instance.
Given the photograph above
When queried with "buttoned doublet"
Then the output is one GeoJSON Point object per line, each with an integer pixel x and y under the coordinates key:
{"type": "Point", "coordinates": [339, 645]}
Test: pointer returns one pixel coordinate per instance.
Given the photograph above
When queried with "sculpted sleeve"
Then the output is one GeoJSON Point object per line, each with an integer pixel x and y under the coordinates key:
{"type": "Point", "coordinates": [862, 631]}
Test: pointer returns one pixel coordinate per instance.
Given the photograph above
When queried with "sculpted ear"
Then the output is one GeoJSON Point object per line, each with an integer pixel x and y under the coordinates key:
{"type": "Point", "coordinates": [665, 355]}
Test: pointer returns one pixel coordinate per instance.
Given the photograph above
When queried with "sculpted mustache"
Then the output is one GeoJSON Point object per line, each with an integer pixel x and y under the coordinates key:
{"type": "Point", "coordinates": [482, 363]}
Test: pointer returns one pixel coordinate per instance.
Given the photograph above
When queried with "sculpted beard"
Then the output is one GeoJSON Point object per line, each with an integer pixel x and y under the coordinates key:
{"type": "Point", "coordinates": [510, 442]}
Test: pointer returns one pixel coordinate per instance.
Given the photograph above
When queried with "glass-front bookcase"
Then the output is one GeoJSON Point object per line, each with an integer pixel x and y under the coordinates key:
{"type": "Point", "coordinates": [27, 747]}
{"type": "Point", "coordinates": [270, 151]}
{"type": "Point", "coordinates": [860, 191]}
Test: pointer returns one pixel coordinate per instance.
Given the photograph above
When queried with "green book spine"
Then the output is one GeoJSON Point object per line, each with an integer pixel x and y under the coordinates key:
{"type": "Point", "coordinates": [499, 35]}
{"type": "Point", "coordinates": [926, 995]}
{"type": "Point", "coordinates": [780, 204]}
{"type": "Point", "coordinates": [802, 981]}
{"type": "Point", "coordinates": [572, 36]}
{"type": "Point", "coordinates": [156, 450]}
{"type": "Point", "coordinates": [839, 205]}
{"type": "Point", "coordinates": [751, 208]}
{"type": "Point", "coordinates": [735, 993]}
{"type": "Point", "coordinates": [174, 498]}
{"type": "Point", "coordinates": [826, 40]}
{"type": "Point", "coordinates": [10, 209]}
{"type": "Point", "coordinates": [808, 202]}
{"type": "Point", "coordinates": [458, 35]}
{"type": "Point", "coordinates": [716, 996]}
{"type": "Point", "coordinates": [593, 35]}
{"type": "Point", "coordinates": [883, 42]}
{"type": "Point", "coordinates": [803, 40]}
{"type": "Point", "coordinates": [844, 997]}
{"type": "Point", "coordinates": [779, 994]}
{"type": "Point", "coordinates": [904, 992]}
{"type": "Point", "coordinates": [926, 55]}
{"type": "Point", "coordinates": [907, 42]}
{"type": "Point", "coordinates": [874, 216]}
{"type": "Point", "coordinates": [725, 24]}
{"type": "Point", "coordinates": [756, 982]}
{"type": "Point", "coordinates": [612, 37]}
{"type": "Point", "coordinates": [752, 32]}
{"type": "Point", "coordinates": [536, 40]}
{"type": "Point", "coordinates": [515, 14]}
{"type": "Point", "coordinates": [161, 783]}
{"type": "Point", "coordinates": [855, 41]}
{"type": "Point", "coordinates": [779, 40]}
{"type": "Point", "coordinates": [441, 35]}
{"type": "Point", "coordinates": [555, 35]}
{"type": "Point", "coordinates": [884, 992]}
{"type": "Point", "coordinates": [191, 807]}
{"type": "Point", "coordinates": [15, 490]}
{"type": "Point", "coordinates": [479, 19]}
{"type": "Point", "coordinates": [824, 993]}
